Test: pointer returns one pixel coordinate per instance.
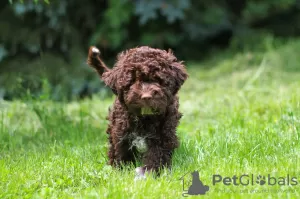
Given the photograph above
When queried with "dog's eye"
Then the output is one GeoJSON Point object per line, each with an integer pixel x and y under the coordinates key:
{"type": "Point", "coordinates": [155, 92]}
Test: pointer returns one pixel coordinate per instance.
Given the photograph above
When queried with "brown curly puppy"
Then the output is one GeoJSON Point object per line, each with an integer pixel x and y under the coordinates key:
{"type": "Point", "coordinates": [145, 114]}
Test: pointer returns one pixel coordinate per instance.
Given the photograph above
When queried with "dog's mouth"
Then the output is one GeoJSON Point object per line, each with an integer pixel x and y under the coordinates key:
{"type": "Point", "coordinates": [145, 111]}
{"type": "Point", "coordinates": [148, 111]}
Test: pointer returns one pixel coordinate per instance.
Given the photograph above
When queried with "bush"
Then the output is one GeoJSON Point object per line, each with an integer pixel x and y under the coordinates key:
{"type": "Point", "coordinates": [62, 30]}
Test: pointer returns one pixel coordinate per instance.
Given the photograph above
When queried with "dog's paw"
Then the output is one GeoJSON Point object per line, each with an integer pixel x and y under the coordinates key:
{"type": "Point", "coordinates": [140, 173]}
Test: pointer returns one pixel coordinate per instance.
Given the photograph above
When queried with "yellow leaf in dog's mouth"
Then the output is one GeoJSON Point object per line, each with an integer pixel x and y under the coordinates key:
{"type": "Point", "coordinates": [147, 111]}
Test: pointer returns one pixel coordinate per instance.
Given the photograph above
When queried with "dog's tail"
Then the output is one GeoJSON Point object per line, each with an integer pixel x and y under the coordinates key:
{"type": "Point", "coordinates": [95, 61]}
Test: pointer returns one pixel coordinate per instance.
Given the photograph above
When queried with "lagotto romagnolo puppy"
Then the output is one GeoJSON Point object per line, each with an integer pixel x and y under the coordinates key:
{"type": "Point", "coordinates": [144, 116]}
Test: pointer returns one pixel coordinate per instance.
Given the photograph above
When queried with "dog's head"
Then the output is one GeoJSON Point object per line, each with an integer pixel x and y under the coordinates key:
{"type": "Point", "coordinates": [146, 79]}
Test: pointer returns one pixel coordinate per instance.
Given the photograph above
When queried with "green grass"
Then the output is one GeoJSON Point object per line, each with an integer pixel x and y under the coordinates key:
{"type": "Point", "coordinates": [241, 116]}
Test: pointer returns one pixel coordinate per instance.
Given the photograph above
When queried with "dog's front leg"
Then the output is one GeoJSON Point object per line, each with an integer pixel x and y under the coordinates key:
{"type": "Point", "coordinates": [156, 158]}
{"type": "Point", "coordinates": [160, 150]}
{"type": "Point", "coordinates": [120, 152]}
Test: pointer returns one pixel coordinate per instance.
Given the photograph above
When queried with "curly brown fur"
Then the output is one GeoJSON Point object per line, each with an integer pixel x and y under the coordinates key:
{"type": "Point", "coordinates": [143, 78]}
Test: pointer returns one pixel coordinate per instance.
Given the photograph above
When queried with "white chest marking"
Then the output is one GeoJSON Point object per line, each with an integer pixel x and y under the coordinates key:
{"type": "Point", "coordinates": [140, 144]}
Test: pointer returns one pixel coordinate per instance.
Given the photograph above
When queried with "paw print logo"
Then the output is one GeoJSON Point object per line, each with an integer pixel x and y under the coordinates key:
{"type": "Point", "coordinates": [261, 180]}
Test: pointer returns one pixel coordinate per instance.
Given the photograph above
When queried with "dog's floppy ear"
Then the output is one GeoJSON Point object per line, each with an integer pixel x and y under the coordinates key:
{"type": "Point", "coordinates": [118, 79]}
{"type": "Point", "coordinates": [113, 78]}
{"type": "Point", "coordinates": [179, 74]}
{"type": "Point", "coordinates": [110, 80]}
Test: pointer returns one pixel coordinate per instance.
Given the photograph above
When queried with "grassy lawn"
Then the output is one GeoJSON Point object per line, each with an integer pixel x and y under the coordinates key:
{"type": "Point", "coordinates": [241, 116]}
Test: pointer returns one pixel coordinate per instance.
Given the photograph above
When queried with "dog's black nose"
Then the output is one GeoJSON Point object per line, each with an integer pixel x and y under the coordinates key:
{"type": "Point", "coordinates": [146, 96]}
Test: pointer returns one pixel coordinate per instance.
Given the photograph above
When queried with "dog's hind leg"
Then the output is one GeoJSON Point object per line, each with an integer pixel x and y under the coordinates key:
{"type": "Point", "coordinates": [111, 151]}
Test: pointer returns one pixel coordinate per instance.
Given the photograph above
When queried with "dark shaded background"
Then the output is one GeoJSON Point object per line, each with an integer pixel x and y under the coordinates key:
{"type": "Point", "coordinates": [43, 46]}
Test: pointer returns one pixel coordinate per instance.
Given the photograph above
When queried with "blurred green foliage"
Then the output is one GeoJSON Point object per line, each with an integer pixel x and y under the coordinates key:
{"type": "Point", "coordinates": [49, 39]}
